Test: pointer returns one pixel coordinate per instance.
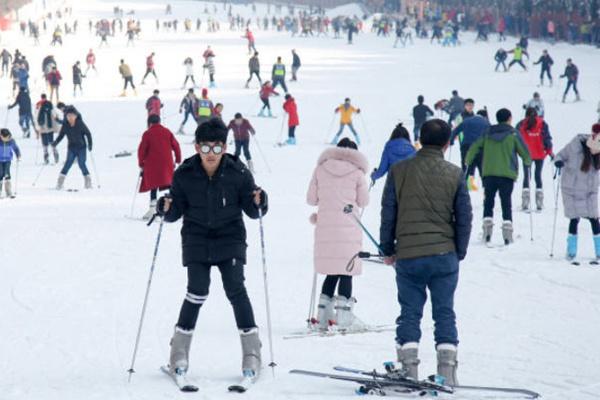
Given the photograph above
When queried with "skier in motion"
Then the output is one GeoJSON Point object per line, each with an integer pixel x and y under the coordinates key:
{"type": "Point", "coordinates": [216, 181]}
{"type": "Point", "coordinates": [572, 75]}
{"type": "Point", "coordinates": [346, 110]}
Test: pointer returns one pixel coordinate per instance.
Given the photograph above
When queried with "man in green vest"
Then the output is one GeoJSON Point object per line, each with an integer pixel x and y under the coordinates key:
{"type": "Point", "coordinates": [205, 107]}
{"type": "Point", "coordinates": [518, 53]}
{"type": "Point", "coordinates": [278, 75]}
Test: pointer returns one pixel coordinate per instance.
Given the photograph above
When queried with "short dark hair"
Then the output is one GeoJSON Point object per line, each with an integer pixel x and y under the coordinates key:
{"type": "Point", "coordinates": [347, 143]}
{"type": "Point", "coordinates": [400, 132]}
{"type": "Point", "coordinates": [153, 119]}
{"type": "Point", "coordinates": [455, 93]}
{"type": "Point", "coordinates": [238, 115]}
{"type": "Point", "coordinates": [156, 91]}
{"type": "Point", "coordinates": [213, 130]}
{"type": "Point", "coordinates": [470, 101]}
{"type": "Point", "coordinates": [420, 99]}
{"type": "Point", "coordinates": [483, 113]}
{"type": "Point", "coordinates": [503, 115]}
{"type": "Point", "coordinates": [44, 96]}
{"type": "Point", "coordinates": [435, 132]}
{"type": "Point", "coordinates": [4, 132]}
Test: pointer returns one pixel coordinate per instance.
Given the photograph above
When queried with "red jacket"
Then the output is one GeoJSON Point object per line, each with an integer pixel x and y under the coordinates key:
{"type": "Point", "coordinates": [267, 91]}
{"type": "Point", "coordinates": [156, 159]}
{"type": "Point", "coordinates": [537, 139]}
{"type": "Point", "coordinates": [90, 59]}
{"type": "Point", "coordinates": [54, 78]}
{"type": "Point", "coordinates": [243, 131]}
{"type": "Point", "coordinates": [250, 36]}
{"type": "Point", "coordinates": [290, 107]}
{"type": "Point", "coordinates": [150, 62]}
{"type": "Point", "coordinates": [153, 105]}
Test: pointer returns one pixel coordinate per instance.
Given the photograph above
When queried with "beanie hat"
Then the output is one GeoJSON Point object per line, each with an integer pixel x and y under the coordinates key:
{"type": "Point", "coordinates": [204, 92]}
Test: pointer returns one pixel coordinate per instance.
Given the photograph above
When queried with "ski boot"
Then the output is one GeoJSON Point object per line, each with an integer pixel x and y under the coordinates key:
{"type": "Point", "coordinates": [261, 113]}
{"type": "Point", "coordinates": [471, 185]}
{"type": "Point", "coordinates": [46, 157]}
{"type": "Point", "coordinates": [269, 113]}
{"type": "Point", "coordinates": [180, 350]}
{"type": "Point", "coordinates": [151, 211]}
{"type": "Point", "coordinates": [572, 247]}
{"type": "Point", "coordinates": [180, 130]}
{"type": "Point", "coordinates": [345, 318]}
{"type": "Point", "coordinates": [87, 182]}
{"type": "Point", "coordinates": [55, 154]}
{"type": "Point", "coordinates": [8, 188]}
{"type": "Point", "coordinates": [251, 360]}
{"type": "Point", "coordinates": [291, 141]}
{"type": "Point", "coordinates": [212, 85]}
{"type": "Point", "coordinates": [447, 364]}
{"type": "Point", "coordinates": [61, 181]}
{"type": "Point", "coordinates": [577, 98]}
{"type": "Point", "coordinates": [408, 356]}
{"type": "Point", "coordinates": [539, 199]}
{"type": "Point", "coordinates": [525, 198]}
{"type": "Point", "coordinates": [325, 313]}
{"type": "Point", "coordinates": [597, 247]}
{"type": "Point", "coordinates": [564, 98]}
{"type": "Point", "coordinates": [123, 93]}
{"type": "Point", "coordinates": [1, 181]}
{"type": "Point", "coordinates": [251, 166]}
{"type": "Point", "coordinates": [488, 225]}
{"type": "Point", "coordinates": [507, 232]}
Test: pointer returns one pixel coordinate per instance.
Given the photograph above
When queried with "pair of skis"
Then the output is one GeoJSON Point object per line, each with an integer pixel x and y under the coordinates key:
{"type": "Point", "coordinates": [393, 381]}
{"type": "Point", "coordinates": [311, 332]}
{"type": "Point", "coordinates": [180, 379]}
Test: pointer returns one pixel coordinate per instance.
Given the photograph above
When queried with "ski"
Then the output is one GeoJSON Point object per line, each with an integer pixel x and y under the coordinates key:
{"type": "Point", "coordinates": [330, 333]}
{"type": "Point", "coordinates": [179, 379]}
{"type": "Point", "coordinates": [248, 379]}
{"type": "Point", "coordinates": [594, 262]}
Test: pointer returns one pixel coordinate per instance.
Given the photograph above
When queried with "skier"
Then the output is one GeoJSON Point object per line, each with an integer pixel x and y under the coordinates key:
{"type": "Point", "coordinates": [78, 137]}
{"type": "Point", "coordinates": [56, 37]}
{"type": "Point", "coordinates": [189, 105]}
{"type": "Point", "coordinates": [77, 77]}
{"type": "Point", "coordinates": [242, 129]}
{"type": "Point", "coordinates": [150, 68]}
{"type": "Point", "coordinates": [338, 180]}
{"type": "Point", "coordinates": [155, 159]}
{"type": "Point", "coordinates": [295, 64]}
{"type": "Point", "coordinates": [250, 37]}
{"type": "Point", "coordinates": [205, 108]}
{"type": "Point", "coordinates": [266, 91]}
{"type": "Point", "coordinates": [125, 72]}
{"type": "Point", "coordinates": [518, 53]}
{"type": "Point", "coordinates": [214, 180]}
{"type": "Point", "coordinates": [455, 106]}
{"type": "Point", "coordinates": [396, 149]}
{"type": "Point", "coordinates": [25, 118]}
{"type": "Point", "coordinates": [546, 62]}
{"type": "Point", "coordinates": [572, 74]}
{"type": "Point", "coordinates": [46, 125]}
{"type": "Point", "coordinates": [209, 65]}
{"type": "Point", "coordinates": [500, 58]}
{"type": "Point", "coordinates": [346, 110]}
{"type": "Point", "coordinates": [8, 146]}
{"type": "Point", "coordinates": [153, 104]}
{"type": "Point", "coordinates": [278, 75]}
{"type": "Point", "coordinates": [537, 103]}
{"type": "Point", "coordinates": [54, 79]}
{"type": "Point", "coordinates": [6, 60]}
{"type": "Point", "coordinates": [254, 67]}
{"type": "Point", "coordinates": [498, 148]}
{"type": "Point", "coordinates": [289, 105]}
{"type": "Point", "coordinates": [421, 113]}
{"type": "Point", "coordinates": [218, 111]}
{"type": "Point", "coordinates": [90, 60]}
{"type": "Point", "coordinates": [536, 135]}
{"type": "Point", "coordinates": [579, 162]}
{"type": "Point", "coordinates": [189, 71]}
{"type": "Point", "coordinates": [22, 76]}
{"type": "Point", "coordinates": [426, 240]}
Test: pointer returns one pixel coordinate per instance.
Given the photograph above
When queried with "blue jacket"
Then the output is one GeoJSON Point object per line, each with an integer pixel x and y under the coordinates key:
{"type": "Point", "coordinates": [471, 128]}
{"type": "Point", "coordinates": [23, 76]}
{"type": "Point", "coordinates": [7, 149]}
{"type": "Point", "coordinates": [395, 150]}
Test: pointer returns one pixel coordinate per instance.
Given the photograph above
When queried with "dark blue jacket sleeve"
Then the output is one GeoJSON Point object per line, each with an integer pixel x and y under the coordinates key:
{"type": "Point", "coordinates": [389, 212]}
{"type": "Point", "coordinates": [179, 204]}
{"type": "Point", "coordinates": [15, 148]}
{"type": "Point", "coordinates": [384, 165]}
{"type": "Point", "coordinates": [546, 137]}
{"type": "Point", "coordinates": [463, 217]}
{"type": "Point", "coordinates": [455, 133]}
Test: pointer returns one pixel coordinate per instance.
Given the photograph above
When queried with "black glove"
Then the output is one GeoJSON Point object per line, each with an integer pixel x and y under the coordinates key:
{"type": "Point", "coordinates": [264, 200]}
{"type": "Point", "coordinates": [559, 164]}
{"type": "Point", "coordinates": [160, 204]}
{"type": "Point", "coordinates": [90, 148]}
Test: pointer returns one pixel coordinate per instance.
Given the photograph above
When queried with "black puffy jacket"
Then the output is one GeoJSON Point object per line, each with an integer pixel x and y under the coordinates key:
{"type": "Point", "coordinates": [213, 226]}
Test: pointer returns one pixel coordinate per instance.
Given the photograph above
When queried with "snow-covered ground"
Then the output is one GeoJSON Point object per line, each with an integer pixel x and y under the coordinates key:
{"type": "Point", "coordinates": [74, 270]}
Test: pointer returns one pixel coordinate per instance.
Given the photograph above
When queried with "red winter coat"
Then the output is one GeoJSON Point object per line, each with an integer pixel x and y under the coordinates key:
{"type": "Point", "coordinates": [156, 159]}
{"type": "Point", "coordinates": [537, 139]}
{"type": "Point", "coordinates": [150, 62]}
{"type": "Point", "coordinates": [290, 107]}
{"type": "Point", "coordinates": [90, 59]}
{"type": "Point", "coordinates": [54, 78]}
{"type": "Point", "coordinates": [267, 91]}
{"type": "Point", "coordinates": [250, 36]}
{"type": "Point", "coordinates": [153, 105]}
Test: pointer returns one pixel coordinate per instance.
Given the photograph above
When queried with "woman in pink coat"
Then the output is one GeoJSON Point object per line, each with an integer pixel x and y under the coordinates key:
{"type": "Point", "coordinates": [338, 180]}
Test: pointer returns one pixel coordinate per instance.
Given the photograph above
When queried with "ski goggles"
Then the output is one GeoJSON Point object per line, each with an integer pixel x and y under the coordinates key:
{"type": "Point", "coordinates": [207, 148]}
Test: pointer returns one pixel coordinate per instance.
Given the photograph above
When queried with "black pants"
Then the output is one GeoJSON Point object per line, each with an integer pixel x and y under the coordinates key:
{"type": "Point", "coordinates": [4, 171]}
{"type": "Point", "coordinates": [189, 77]}
{"type": "Point", "coordinates": [547, 71]}
{"type": "Point", "coordinates": [257, 75]}
{"type": "Point", "coordinates": [232, 275]}
{"type": "Point", "coordinates": [520, 62]}
{"type": "Point", "coordinates": [265, 104]}
{"type": "Point", "coordinates": [128, 80]}
{"type": "Point", "coordinates": [279, 81]}
{"type": "Point", "coordinates": [344, 286]}
{"type": "Point", "coordinates": [292, 131]}
{"type": "Point", "coordinates": [498, 63]}
{"type": "Point", "coordinates": [593, 221]}
{"type": "Point", "coordinates": [503, 186]}
{"type": "Point", "coordinates": [539, 165]}
{"type": "Point", "coordinates": [570, 84]}
{"type": "Point", "coordinates": [475, 165]}
{"type": "Point", "coordinates": [243, 145]}
{"type": "Point", "coordinates": [148, 72]}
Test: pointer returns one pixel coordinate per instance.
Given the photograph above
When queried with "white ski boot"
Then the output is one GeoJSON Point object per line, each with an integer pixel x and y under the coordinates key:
{"type": "Point", "coordinates": [507, 232]}
{"type": "Point", "coordinates": [151, 211]}
{"type": "Point", "coordinates": [250, 166]}
{"type": "Point", "coordinates": [325, 313]}
{"type": "Point", "coordinates": [87, 182]}
{"type": "Point", "coordinates": [447, 364]}
{"type": "Point", "coordinates": [8, 189]}
{"type": "Point", "coordinates": [488, 226]}
{"type": "Point", "coordinates": [525, 197]}
{"type": "Point", "coordinates": [345, 318]}
{"type": "Point", "coordinates": [408, 357]}
{"type": "Point", "coordinates": [539, 199]}
{"type": "Point", "coordinates": [180, 350]}
{"type": "Point", "coordinates": [61, 181]}
{"type": "Point", "coordinates": [251, 358]}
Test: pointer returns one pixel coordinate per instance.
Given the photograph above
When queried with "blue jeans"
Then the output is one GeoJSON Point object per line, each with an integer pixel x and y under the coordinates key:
{"type": "Point", "coordinates": [243, 145]}
{"type": "Point", "coordinates": [339, 132]}
{"type": "Point", "coordinates": [186, 116]}
{"type": "Point", "coordinates": [80, 155]}
{"type": "Point", "coordinates": [25, 120]}
{"type": "Point", "coordinates": [439, 274]}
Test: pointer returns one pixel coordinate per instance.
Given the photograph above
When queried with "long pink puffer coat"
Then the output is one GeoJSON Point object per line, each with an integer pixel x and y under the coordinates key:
{"type": "Point", "coordinates": [338, 180]}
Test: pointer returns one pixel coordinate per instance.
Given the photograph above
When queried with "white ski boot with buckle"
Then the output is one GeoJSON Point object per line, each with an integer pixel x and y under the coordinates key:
{"type": "Point", "coordinates": [151, 211]}
{"type": "Point", "coordinates": [525, 198]}
{"type": "Point", "coordinates": [251, 358]}
{"type": "Point", "coordinates": [180, 350]}
{"type": "Point", "coordinates": [345, 318]}
{"type": "Point", "coordinates": [325, 313]}
{"type": "Point", "coordinates": [488, 226]}
{"type": "Point", "coordinates": [447, 363]}
{"type": "Point", "coordinates": [408, 357]}
{"type": "Point", "coordinates": [507, 232]}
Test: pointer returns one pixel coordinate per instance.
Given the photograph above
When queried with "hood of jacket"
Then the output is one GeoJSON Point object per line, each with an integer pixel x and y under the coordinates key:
{"type": "Point", "coordinates": [500, 132]}
{"type": "Point", "coordinates": [399, 148]}
{"type": "Point", "coordinates": [340, 161]}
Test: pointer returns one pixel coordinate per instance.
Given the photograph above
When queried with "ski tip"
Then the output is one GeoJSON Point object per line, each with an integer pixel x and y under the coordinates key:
{"type": "Point", "coordinates": [236, 389]}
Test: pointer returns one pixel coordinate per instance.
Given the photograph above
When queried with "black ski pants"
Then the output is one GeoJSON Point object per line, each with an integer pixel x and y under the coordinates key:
{"type": "Point", "coordinates": [232, 275]}
{"type": "Point", "coordinates": [503, 186]}
{"type": "Point", "coordinates": [344, 286]}
{"type": "Point", "coordinates": [593, 221]}
{"type": "Point", "coordinates": [572, 84]}
{"type": "Point", "coordinates": [539, 166]}
{"type": "Point", "coordinates": [520, 62]}
{"type": "Point", "coordinates": [545, 70]}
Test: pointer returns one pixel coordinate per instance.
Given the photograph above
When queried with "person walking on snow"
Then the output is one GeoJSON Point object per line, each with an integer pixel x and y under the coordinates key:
{"type": "Point", "coordinates": [278, 75]}
{"type": "Point", "coordinates": [547, 63]}
{"type": "Point", "coordinates": [425, 240]}
{"type": "Point", "coordinates": [397, 148]}
{"type": "Point", "coordinates": [289, 105]}
{"type": "Point", "coordinates": [155, 159]}
{"type": "Point", "coordinates": [500, 58]}
{"type": "Point", "coordinates": [77, 78]}
{"type": "Point", "coordinates": [421, 113]}
{"type": "Point", "coordinates": [150, 68]}
{"type": "Point", "coordinates": [127, 76]}
{"type": "Point", "coordinates": [8, 146]}
{"type": "Point", "coordinates": [338, 180]}
{"type": "Point", "coordinates": [242, 129]}
{"type": "Point", "coordinates": [250, 37]}
{"type": "Point", "coordinates": [295, 64]}
{"type": "Point", "coordinates": [188, 63]}
{"type": "Point", "coordinates": [206, 109]}
{"type": "Point", "coordinates": [455, 106]}
{"type": "Point", "coordinates": [535, 133]}
{"type": "Point", "coordinates": [153, 104]}
{"type": "Point", "coordinates": [266, 91]}
{"type": "Point", "coordinates": [188, 105]}
{"type": "Point", "coordinates": [518, 52]}
{"type": "Point", "coordinates": [346, 110]}
{"type": "Point", "coordinates": [90, 60]}
{"type": "Point", "coordinates": [572, 74]}
{"type": "Point", "coordinates": [79, 141]}
{"type": "Point", "coordinates": [254, 67]}
{"type": "Point", "coordinates": [46, 125]}
{"type": "Point", "coordinates": [54, 79]}
{"type": "Point", "coordinates": [209, 65]}
{"type": "Point", "coordinates": [25, 117]}
{"type": "Point", "coordinates": [536, 103]}
{"type": "Point", "coordinates": [499, 147]}
{"type": "Point", "coordinates": [579, 163]}
{"type": "Point", "coordinates": [214, 180]}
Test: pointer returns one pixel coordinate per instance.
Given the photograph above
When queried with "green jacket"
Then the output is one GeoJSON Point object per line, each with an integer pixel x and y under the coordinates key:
{"type": "Point", "coordinates": [499, 147]}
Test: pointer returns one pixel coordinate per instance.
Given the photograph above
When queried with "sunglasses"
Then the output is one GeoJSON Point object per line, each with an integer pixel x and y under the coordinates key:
{"type": "Point", "coordinates": [216, 149]}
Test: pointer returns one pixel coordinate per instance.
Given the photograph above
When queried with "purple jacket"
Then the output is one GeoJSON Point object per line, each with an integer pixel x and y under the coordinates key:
{"type": "Point", "coordinates": [243, 131]}
{"type": "Point", "coordinates": [7, 149]}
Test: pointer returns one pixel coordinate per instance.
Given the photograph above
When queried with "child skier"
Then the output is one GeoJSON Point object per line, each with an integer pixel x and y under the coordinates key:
{"type": "Point", "coordinates": [518, 53]}
{"type": "Point", "coordinates": [547, 63]}
{"type": "Point", "coordinates": [290, 108]}
{"type": "Point", "coordinates": [46, 122]}
{"type": "Point", "coordinates": [209, 64]}
{"type": "Point", "coordinates": [572, 74]}
{"type": "Point", "coordinates": [77, 78]}
{"type": "Point", "coordinates": [188, 63]}
{"type": "Point", "coordinates": [189, 105]}
{"type": "Point", "coordinates": [242, 129]}
{"type": "Point", "coordinates": [266, 91]}
{"type": "Point", "coordinates": [150, 68]}
{"type": "Point", "coordinates": [8, 146]}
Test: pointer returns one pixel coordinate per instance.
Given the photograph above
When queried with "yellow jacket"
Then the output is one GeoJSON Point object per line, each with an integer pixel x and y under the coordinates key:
{"type": "Point", "coordinates": [346, 113]}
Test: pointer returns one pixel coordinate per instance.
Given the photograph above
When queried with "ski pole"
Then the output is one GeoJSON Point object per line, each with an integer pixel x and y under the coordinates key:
{"type": "Point", "coordinates": [16, 179]}
{"type": "Point", "coordinates": [266, 284]}
{"type": "Point", "coordinates": [95, 169]}
{"type": "Point", "coordinates": [529, 172]}
{"type": "Point", "coordinates": [279, 138]}
{"type": "Point", "coordinates": [364, 208]}
{"type": "Point", "coordinates": [137, 189]}
{"type": "Point", "coordinates": [261, 153]}
{"type": "Point", "coordinates": [311, 307]}
{"type": "Point", "coordinates": [556, 194]}
{"type": "Point", "coordinates": [37, 149]}
{"type": "Point", "coordinates": [348, 210]}
{"type": "Point", "coordinates": [131, 370]}
{"type": "Point", "coordinates": [38, 175]}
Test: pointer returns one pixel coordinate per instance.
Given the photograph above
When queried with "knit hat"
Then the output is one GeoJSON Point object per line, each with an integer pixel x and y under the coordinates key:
{"type": "Point", "coordinates": [593, 142]}
{"type": "Point", "coordinates": [204, 92]}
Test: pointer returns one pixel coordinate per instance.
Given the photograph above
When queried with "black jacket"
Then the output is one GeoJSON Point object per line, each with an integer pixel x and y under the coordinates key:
{"type": "Point", "coordinates": [420, 113]}
{"type": "Point", "coordinates": [77, 136]}
{"type": "Point", "coordinates": [24, 102]}
{"type": "Point", "coordinates": [213, 226]}
{"type": "Point", "coordinates": [296, 60]}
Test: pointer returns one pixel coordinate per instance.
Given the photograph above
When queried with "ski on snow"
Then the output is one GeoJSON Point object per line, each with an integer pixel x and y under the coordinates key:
{"type": "Point", "coordinates": [330, 333]}
{"type": "Point", "coordinates": [179, 379]}
{"type": "Point", "coordinates": [577, 263]}
{"type": "Point", "coordinates": [248, 379]}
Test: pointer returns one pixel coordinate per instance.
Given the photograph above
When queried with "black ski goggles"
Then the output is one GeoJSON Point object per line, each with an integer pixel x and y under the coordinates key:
{"type": "Point", "coordinates": [207, 148]}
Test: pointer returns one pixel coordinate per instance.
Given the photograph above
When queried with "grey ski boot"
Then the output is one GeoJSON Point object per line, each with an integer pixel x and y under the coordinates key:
{"type": "Point", "coordinates": [251, 359]}
{"type": "Point", "coordinates": [325, 314]}
{"type": "Point", "coordinates": [180, 350]}
{"type": "Point", "coordinates": [87, 182]}
{"type": "Point", "coordinates": [408, 357]}
{"type": "Point", "coordinates": [488, 226]}
{"type": "Point", "coordinates": [539, 199]}
{"type": "Point", "coordinates": [8, 189]}
{"type": "Point", "coordinates": [61, 182]}
{"type": "Point", "coordinates": [507, 232]}
{"type": "Point", "coordinates": [447, 363]}
{"type": "Point", "coordinates": [526, 198]}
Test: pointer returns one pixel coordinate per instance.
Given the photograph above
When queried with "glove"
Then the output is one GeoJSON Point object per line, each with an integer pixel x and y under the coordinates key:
{"type": "Point", "coordinates": [264, 199]}
{"type": "Point", "coordinates": [90, 148]}
{"type": "Point", "coordinates": [551, 154]}
{"type": "Point", "coordinates": [358, 111]}
{"type": "Point", "coordinates": [559, 164]}
{"type": "Point", "coordinates": [160, 205]}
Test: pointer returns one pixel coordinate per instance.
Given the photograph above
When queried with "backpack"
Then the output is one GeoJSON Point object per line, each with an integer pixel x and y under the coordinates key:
{"type": "Point", "coordinates": [45, 114]}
